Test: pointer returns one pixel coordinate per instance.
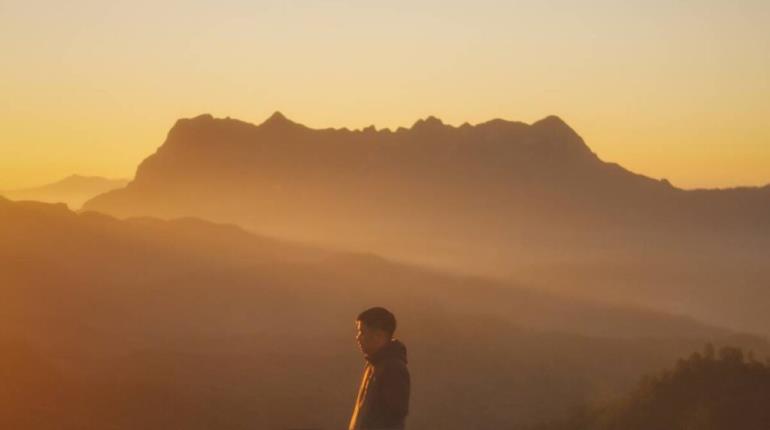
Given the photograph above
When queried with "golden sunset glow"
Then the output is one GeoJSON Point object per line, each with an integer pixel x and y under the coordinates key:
{"type": "Point", "coordinates": [348, 214]}
{"type": "Point", "coordinates": [678, 91]}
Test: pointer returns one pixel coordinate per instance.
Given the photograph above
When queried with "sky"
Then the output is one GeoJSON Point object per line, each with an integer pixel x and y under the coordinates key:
{"type": "Point", "coordinates": [677, 90]}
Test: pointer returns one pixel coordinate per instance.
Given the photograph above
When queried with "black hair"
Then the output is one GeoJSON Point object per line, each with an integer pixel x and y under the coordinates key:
{"type": "Point", "coordinates": [378, 318]}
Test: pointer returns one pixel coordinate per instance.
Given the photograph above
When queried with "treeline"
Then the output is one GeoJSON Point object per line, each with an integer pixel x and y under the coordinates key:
{"type": "Point", "coordinates": [713, 390]}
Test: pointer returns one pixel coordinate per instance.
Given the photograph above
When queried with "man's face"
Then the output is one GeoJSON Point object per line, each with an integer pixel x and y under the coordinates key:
{"type": "Point", "coordinates": [369, 340]}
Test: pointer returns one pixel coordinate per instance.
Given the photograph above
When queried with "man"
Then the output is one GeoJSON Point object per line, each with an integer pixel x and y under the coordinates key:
{"type": "Point", "coordinates": [383, 397]}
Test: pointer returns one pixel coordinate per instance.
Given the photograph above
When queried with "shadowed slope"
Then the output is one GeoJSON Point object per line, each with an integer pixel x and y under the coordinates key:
{"type": "Point", "coordinates": [706, 391]}
{"type": "Point", "coordinates": [167, 324]}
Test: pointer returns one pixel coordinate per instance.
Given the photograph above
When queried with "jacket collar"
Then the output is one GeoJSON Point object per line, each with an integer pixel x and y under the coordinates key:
{"type": "Point", "coordinates": [393, 349]}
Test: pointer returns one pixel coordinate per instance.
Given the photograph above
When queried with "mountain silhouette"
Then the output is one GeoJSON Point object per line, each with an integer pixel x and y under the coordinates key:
{"type": "Point", "coordinates": [73, 190]}
{"type": "Point", "coordinates": [145, 323]}
{"type": "Point", "coordinates": [500, 198]}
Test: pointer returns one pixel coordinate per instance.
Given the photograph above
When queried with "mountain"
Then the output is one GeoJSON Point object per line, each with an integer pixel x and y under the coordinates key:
{"type": "Point", "coordinates": [73, 190]}
{"type": "Point", "coordinates": [500, 198]}
{"type": "Point", "coordinates": [145, 323]}
{"type": "Point", "coordinates": [706, 391]}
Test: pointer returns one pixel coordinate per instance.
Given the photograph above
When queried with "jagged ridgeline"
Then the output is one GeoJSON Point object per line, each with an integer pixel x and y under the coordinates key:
{"type": "Point", "coordinates": [528, 201]}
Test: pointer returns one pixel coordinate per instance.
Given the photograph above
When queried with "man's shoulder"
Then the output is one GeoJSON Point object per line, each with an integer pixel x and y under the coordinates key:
{"type": "Point", "coordinates": [392, 366]}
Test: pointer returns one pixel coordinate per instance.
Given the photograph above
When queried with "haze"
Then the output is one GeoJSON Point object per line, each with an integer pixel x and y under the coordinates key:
{"type": "Point", "coordinates": [562, 202]}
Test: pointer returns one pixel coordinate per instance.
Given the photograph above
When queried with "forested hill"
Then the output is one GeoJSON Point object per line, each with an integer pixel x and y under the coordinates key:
{"type": "Point", "coordinates": [727, 390]}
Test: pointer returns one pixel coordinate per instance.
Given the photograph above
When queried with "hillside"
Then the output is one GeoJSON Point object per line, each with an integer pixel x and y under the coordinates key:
{"type": "Point", "coordinates": [708, 391]}
{"type": "Point", "coordinates": [144, 323]}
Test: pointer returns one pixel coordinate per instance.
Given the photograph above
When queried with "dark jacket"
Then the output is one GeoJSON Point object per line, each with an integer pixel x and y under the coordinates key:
{"type": "Point", "coordinates": [383, 397]}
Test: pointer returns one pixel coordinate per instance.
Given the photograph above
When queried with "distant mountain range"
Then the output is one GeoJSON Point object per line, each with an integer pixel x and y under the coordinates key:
{"type": "Point", "coordinates": [151, 324]}
{"type": "Point", "coordinates": [73, 190]}
{"type": "Point", "coordinates": [500, 198]}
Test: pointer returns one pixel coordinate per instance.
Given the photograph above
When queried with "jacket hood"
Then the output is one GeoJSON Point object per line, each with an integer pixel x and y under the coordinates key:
{"type": "Point", "coordinates": [394, 349]}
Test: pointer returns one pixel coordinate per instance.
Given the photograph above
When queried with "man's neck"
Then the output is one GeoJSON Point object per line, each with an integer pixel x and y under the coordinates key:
{"type": "Point", "coordinates": [372, 357]}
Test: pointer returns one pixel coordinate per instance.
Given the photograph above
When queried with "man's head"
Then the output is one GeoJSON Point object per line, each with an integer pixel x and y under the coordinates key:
{"type": "Point", "coordinates": [374, 329]}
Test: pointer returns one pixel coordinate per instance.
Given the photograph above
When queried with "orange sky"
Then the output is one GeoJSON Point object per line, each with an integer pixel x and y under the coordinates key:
{"type": "Point", "coordinates": [680, 91]}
